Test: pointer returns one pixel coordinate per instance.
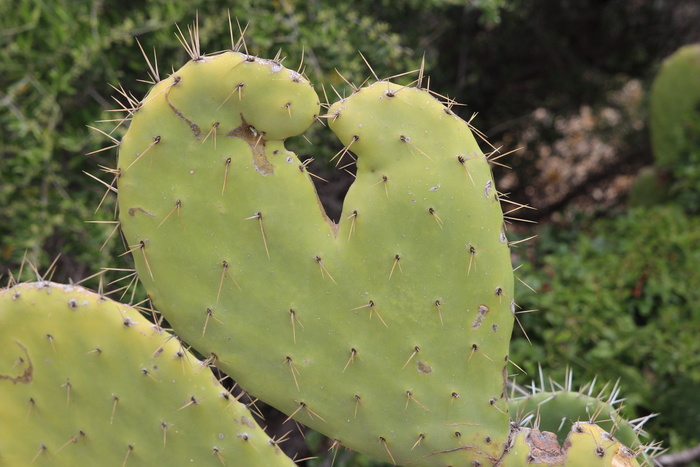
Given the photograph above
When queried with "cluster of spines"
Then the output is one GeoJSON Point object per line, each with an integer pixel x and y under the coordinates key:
{"type": "Point", "coordinates": [559, 409]}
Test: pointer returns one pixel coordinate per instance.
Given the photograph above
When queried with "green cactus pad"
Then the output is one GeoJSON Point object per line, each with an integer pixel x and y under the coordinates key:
{"type": "Point", "coordinates": [674, 113]}
{"type": "Point", "coordinates": [586, 445]}
{"type": "Point", "coordinates": [87, 381]}
{"type": "Point", "coordinates": [388, 332]}
{"type": "Point", "coordinates": [558, 411]}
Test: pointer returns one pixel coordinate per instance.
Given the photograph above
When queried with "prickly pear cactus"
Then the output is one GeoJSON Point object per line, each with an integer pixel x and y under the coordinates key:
{"type": "Point", "coordinates": [373, 331]}
{"type": "Point", "coordinates": [87, 381]}
{"type": "Point", "coordinates": [388, 331]}
{"type": "Point", "coordinates": [675, 108]}
{"type": "Point", "coordinates": [558, 410]}
{"type": "Point", "coordinates": [674, 123]}
{"type": "Point", "coordinates": [586, 445]}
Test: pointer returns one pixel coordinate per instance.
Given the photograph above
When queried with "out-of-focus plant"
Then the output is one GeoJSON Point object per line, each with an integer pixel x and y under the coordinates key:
{"type": "Point", "coordinates": [622, 290]}
{"type": "Point", "coordinates": [674, 121]}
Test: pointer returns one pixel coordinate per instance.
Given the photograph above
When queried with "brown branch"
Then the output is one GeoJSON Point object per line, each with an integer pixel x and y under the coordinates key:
{"type": "Point", "coordinates": [680, 458]}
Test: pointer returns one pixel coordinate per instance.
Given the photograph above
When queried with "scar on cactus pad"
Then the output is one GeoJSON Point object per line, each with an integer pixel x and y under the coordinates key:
{"type": "Point", "coordinates": [388, 331]}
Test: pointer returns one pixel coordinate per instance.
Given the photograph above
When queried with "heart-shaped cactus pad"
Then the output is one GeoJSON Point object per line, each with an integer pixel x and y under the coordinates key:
{"type": "Point", "coordinates": [388, 331]}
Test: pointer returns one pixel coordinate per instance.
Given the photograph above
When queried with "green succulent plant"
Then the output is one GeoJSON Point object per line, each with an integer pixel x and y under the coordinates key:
{"type": "Point", "coordinates": [387, 331]}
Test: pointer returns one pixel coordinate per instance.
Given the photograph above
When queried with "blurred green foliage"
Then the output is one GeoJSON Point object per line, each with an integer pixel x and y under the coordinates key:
{"type": "Point", "coordinates": [618, 299]}
{"type": "Point", "coordinates": [44, 63]}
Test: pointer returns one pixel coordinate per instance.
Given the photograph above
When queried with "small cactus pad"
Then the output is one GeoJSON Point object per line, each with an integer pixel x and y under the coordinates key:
{"type": "Point", "coordinates": [589, 444]}
{"type": "Point", "coordinates": [586, 445]}
{"type": "Point", "coordinates": [87, 381]}
{"type": "Point", "coordinates": [558, 411]}
{"type": "Point", "coordinates": [389, 331]}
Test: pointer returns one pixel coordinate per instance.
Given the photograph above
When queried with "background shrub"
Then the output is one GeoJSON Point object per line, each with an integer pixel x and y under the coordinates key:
{"type": "Point", "coordinates": [618, 300]}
